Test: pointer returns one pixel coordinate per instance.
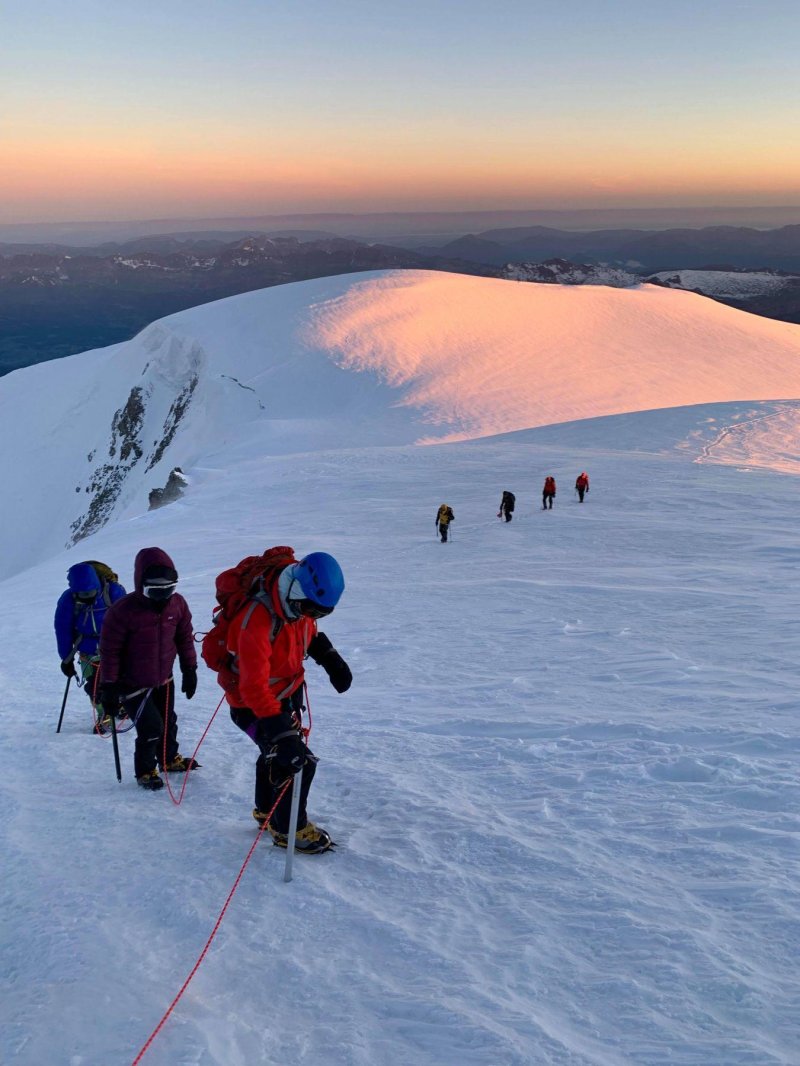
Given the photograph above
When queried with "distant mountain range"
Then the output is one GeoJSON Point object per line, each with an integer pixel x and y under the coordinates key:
{"type": "Point", "coordinates": [642, 251]}
{"type": "Point", "coordinates": [56, 299]}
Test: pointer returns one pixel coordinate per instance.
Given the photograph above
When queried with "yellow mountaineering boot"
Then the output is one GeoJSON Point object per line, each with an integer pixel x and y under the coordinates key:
{"type": "Point", "coordinates": [152, 781]}
{"type": "Point", "coordinates": [310, 839]}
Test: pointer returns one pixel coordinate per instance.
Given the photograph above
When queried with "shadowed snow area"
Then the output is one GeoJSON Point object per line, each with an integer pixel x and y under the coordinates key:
{"type": "Point", "coordinates": [564, 783]}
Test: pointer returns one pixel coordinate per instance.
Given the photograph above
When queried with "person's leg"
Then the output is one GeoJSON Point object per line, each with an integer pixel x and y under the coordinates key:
{"type": "Point", "coordinates": [280, 819]}
{"type": "Point", "coordinates": [264, 796]}
{"type": "Point", "coordinates": [148, 733]}
{"type": "Point", "coordinates": [443, 531]}
{"type": "Point", "coordinates": [164, 699]}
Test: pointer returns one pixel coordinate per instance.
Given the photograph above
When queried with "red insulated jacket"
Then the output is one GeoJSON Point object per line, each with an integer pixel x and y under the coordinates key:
{"type": "Point", "coordinates": [140, 639]}
{"type": "Point", "coordinates": [267, 668]}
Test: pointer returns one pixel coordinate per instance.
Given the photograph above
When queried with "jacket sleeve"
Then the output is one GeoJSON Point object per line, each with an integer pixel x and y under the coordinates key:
{"type": "Point", "coordinates": [112, 639]}
{"type": "Point", "coordinates": [63, 624]}
{"type": "Point", "coordinates": [184, 640]}
{"type": "Point", "coordinates": [254, 659]}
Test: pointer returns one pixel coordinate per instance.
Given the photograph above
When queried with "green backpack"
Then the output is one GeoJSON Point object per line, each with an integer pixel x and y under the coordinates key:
{"type": "Point", "coordinates": [106, 575]}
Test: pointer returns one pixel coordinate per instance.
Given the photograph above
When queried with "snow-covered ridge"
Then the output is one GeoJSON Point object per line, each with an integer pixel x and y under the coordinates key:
{"type": "Point", "coordinates": [382, 358]}
{"type": "Point", "coordinates": [742, 284]}
{"type": "Point", "coordinates": [564, 272]}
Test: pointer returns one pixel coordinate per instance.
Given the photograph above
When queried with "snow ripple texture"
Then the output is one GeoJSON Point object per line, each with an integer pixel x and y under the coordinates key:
{"type": "Point", "coordinates": [564, 783]}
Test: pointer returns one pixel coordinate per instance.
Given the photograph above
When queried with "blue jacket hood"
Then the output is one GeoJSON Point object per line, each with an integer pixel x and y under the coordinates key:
{"type": "Point", "coordinates": [83, 578]}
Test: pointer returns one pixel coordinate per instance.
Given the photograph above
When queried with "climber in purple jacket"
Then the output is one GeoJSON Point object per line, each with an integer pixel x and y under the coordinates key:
{"type": "Point", "coordinates": [142, 635]}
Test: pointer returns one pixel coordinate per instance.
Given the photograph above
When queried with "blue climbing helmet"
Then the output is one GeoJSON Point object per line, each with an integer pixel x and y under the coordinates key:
{"type": "Point", "coordinates": [316, 584]}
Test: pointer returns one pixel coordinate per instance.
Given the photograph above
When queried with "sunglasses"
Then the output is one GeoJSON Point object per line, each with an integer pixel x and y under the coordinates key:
{"type": "Point", "coordinates": [159, 592]}
{"type": "Point", "coordinates": [309, 609]}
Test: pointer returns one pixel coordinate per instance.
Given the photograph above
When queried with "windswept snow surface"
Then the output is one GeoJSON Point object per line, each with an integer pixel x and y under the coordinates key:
{"type": "Point", "coordinates": [564, 782]}
{"type": "Point", "coordinates": [364, 360]}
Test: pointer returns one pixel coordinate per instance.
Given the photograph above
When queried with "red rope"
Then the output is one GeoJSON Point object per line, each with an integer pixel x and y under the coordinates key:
{"type": "Point", "coordinates": [179, 800]}
{"type": "Point", "coordinates": [217, 924]}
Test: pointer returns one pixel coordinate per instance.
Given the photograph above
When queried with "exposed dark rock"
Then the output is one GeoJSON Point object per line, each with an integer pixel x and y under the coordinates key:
{"type": "Point", "coordinates": [172, 491]}
{"type": "Point", "coordinates": [173, 420]}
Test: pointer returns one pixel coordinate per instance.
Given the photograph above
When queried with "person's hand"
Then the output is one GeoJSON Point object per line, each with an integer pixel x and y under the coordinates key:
{"type": "Point", "coordinates": [337, 670]}
{"type": "Point", "coordinates": [111, 698]}
{"type": "Point", "coordinates": [290, 753]}
{"type": "Point", "coordinates": [68, 668]}
{"type": "Point", "coordinates": [280, 741]}
{"type": "Point", "coordinates": [325, 655]}
{"type": "Point", "coordinates": [189, 682]}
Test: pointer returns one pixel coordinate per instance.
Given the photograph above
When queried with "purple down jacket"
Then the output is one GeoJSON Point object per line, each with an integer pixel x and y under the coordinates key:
{"type": "Point", "coordinates": [141, 638]}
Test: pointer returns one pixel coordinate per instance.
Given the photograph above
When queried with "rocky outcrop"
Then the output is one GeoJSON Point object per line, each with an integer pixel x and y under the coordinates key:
{"type": "Point", "coordinates": [175, 487]}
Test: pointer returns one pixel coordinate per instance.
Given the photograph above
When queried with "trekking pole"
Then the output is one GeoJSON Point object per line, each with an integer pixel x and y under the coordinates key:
{"type": "Point", "coordinates": [293, 813]}
{"type": "Point", "coordinates": [116, 746]}
{"type": "Point", "coordinates": [63, 704]}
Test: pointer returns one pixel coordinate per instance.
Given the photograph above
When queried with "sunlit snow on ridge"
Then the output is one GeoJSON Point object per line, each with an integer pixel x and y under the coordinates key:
{"type": "Point", "coordinates": [364, 360]}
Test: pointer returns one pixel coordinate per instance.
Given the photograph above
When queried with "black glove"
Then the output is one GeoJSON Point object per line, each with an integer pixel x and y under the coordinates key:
{"type": "Point", "coordinates": [111, 698]}
{"type": "Point", "coordinates": [189, 681]}
{"type": "Point", "coordinates": [323, 652]}
{"type": "Point", "coordinates": [280, 742]}
{"type": "Point", "coordinates": [68, 668]}
{"type": "Point", "coordinates": [338, 671]}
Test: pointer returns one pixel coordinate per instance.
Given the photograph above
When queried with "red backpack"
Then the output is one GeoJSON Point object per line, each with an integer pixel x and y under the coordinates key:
{"type": "Point", "coordinates": [242, 584]}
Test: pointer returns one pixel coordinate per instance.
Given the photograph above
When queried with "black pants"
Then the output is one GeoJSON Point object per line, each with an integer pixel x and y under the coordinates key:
{"type": "Point", "coordinates": [443, 531]}
{"type": "Point", "coordinates": [580, 494]}
{"type": "Point", "coordinates": [508, 515]}
{"type": "Point", "coordinates": [158, 706]}
{"type": "Point", "coordinates": [545, 497]}
{"type": "Point", "coordinates": [270, 778]}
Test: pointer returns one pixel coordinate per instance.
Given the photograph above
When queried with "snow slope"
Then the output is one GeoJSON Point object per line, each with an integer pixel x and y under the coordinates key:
{"type": "Point", "coordinates": [564, 783]}
{"type": "Point", "coordinates": [384, 358]}
{"type": "Point", "coordinates": [565, 780]}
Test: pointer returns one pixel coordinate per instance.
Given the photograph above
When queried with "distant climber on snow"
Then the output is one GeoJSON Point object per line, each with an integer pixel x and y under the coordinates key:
{"type": "Point", "coordinates": [548, 493]}
{"type": "Point", "coordinates": [80, 612]}
{"type": "Point", "coordinates": [582, 485]}
{"type": "Point", "coordinates": [143, 634]}
{"type": "Point", "coordinates": [264, 628]}
{"type": "Point", "coordinates": [507, 504]}
{"type": "Point", "coordinates": [444, 516]}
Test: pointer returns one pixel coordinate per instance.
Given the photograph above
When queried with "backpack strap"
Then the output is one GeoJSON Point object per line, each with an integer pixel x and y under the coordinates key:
{"type": "Point", "coordinates": [263, 597]}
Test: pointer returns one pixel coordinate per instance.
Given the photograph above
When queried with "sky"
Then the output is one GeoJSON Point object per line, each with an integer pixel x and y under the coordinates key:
{"type": "Point", "coordinates": [190, 107]}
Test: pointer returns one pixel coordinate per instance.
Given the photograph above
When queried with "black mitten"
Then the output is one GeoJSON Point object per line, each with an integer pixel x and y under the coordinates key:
{"type": "Point", "coordinates": [189, 682]}
{"type": "Point", "coordinates": [338, 671]}
{"type": "Point", "coordinates": [280, 741]}
{"type": "Point", "coordinates": [68, 668]}
{"type": "Point", "coordinates": [111, 698]}
{"type": "Point", "coordinates": [323, 652]}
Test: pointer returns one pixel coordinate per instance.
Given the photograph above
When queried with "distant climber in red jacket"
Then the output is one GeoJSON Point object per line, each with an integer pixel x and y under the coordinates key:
{"type": "Point", "coordinates": [548, 493]}
{"type": "Point", "coordinates": [142, 635]}
{"type": "Point", "coordinates": [582, 485]}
